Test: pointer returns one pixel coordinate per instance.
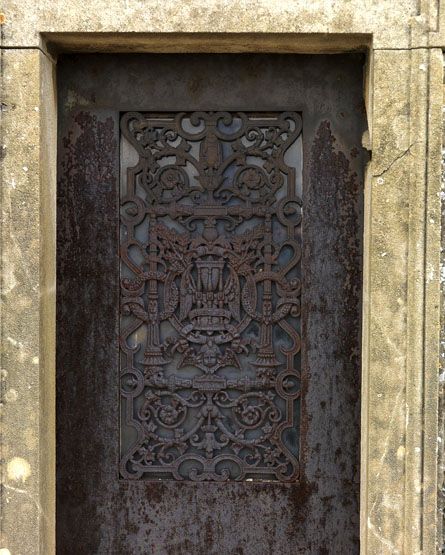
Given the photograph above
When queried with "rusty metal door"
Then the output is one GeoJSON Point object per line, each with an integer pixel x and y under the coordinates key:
{"type": "Point", "coordinates": [208, 314]}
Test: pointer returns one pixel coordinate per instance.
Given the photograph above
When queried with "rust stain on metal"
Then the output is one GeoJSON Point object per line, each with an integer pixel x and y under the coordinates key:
{"type": "Point", "coordinates": [332, 219]}
{"type": "Point", "coordinates": [86, 304]}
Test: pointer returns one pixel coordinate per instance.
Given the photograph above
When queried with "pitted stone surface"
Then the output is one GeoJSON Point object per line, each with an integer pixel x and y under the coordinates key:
{"type": "Point", "coordinates": [389, 21]}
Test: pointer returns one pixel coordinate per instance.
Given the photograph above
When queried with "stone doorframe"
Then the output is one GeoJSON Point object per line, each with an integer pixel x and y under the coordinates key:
{"type": "Point", "coordinates": [403, 40]}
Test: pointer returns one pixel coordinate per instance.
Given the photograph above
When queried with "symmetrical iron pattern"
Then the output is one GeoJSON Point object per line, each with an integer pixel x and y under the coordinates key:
{"type": "Point", "coordinates": [210, 288]}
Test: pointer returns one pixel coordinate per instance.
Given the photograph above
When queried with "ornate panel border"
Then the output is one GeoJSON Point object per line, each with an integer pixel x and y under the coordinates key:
{"type": "Point", "coordinates": [215, 359]}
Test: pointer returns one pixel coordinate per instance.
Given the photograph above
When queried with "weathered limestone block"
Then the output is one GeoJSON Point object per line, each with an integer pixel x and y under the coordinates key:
{"type": "Point", "coordinates": [389, 21]}
{"type": "Point", "coordinates": [27, 272]}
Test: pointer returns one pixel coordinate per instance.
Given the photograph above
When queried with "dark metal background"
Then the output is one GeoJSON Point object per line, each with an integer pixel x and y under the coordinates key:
{"type": "Point", "coordinates": [96, 511]}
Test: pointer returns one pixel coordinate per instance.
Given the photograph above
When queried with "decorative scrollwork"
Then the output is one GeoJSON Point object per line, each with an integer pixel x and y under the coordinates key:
{"type": "Point", "coordinates": [210, 297]}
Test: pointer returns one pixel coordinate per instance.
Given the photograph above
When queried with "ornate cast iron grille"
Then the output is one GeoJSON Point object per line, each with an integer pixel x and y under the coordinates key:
{"type": "Point", "coordinates": [210, 296]}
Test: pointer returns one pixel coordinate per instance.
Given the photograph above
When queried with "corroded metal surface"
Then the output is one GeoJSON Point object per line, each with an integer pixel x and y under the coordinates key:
{"type": "Point", "coordinates": [87, 307]}
{"type": "Point", "coordinates": [210, 252]}
{"type": "Point", "coordinates": [99, 512]}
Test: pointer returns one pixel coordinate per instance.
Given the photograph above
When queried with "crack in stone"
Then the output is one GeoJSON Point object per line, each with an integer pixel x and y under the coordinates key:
{"type": "Point", "coordinates": [404, 153]}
